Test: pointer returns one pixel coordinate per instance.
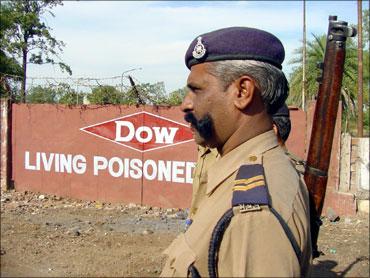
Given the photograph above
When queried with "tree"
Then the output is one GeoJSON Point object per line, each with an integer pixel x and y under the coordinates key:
{"type": "Point", "coordinates": [315, 55]}
{"type": "Point", "coordinates": [176, 97]}
{"type": "Point", "coordinates": [145, 93]}
{"type": "Point", "coordinates": [28, 38]}
{"type": "Point", "coordinates": [153, 93]}
{"type": "Point", "coordinates": [39, 94]}
{"type": "Point", "coordinates": [105, 95]}
{"type": "Point", "coordinates": [9, 72]}
{"type": "Point", "coordinates": [10, 69]}
{"type": "Point", "coordinates": [61, 93]}
{"type": "Point", "coordinates": [69, 96]}
{"type": "Point", "coordinates": [365, 28]}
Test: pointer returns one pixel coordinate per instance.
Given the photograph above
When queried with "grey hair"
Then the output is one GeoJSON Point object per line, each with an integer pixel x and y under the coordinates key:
{"type": "Point", "coordinates": [270, 80]}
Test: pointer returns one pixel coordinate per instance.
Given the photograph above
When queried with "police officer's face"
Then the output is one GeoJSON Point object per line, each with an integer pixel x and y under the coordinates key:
{"type": "Point", "coordinates": [206, 107]}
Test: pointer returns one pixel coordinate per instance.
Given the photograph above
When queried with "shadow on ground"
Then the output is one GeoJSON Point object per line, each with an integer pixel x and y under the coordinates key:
{"type": "Point", "coordinates": [326, 268]}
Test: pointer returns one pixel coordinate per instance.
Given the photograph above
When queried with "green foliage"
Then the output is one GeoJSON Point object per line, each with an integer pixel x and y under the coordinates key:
{"type": "Point", "coordinates": [9, 70]}
{"type": "Point", "coordinates": [40, 94]}
{"type": "Point", "coordinates": [365, 27]}
{"type": "Point", "coordinates": [9, 66]}
{"type": "Point", "coordinates": [315, 54]}
{"type": "Point", "coordinates": [105, 95]}
{"type": "Point", "coordinates": [366, 122]}
{"type": "Point", "coordinates": [26, 37]}
{"type": "Point", "coordinates": [67, 95]}
{"type": "Point", "coordinates": [154, 94]}
{"type": "Point", "coordinates": [146, 93]}
{"type": "Point", "coordinates": [176, 97]}
{"type": "Point", "coordinates": [62, 94]}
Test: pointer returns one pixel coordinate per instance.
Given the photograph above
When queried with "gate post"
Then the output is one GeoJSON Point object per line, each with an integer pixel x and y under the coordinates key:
{"type": "Point", "coordinates": [6, 154]}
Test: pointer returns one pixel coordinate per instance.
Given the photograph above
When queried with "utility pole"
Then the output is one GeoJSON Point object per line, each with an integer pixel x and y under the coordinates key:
{"type": "Point", "coordinates": [360, 71]}
{"type": "Point", "coordinates": [304, 58]}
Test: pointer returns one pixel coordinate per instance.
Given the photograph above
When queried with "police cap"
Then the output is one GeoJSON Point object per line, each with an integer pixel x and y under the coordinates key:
{"type": "Point", "coordinates": [235, 43]}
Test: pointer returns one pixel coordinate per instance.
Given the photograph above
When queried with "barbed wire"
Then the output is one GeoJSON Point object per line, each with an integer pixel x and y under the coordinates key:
{"type": "Point", "coordinates": [85, 85]}
{"type": "Point", "coordinates": [80, 83]}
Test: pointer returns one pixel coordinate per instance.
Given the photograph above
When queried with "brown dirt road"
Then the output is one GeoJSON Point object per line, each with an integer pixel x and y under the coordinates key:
{"type": "Point", "coordinates": [48, 236]}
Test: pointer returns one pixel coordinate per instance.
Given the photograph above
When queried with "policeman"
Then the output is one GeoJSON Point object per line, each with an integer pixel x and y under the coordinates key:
{"type": "Point", "coordinates": [254, 219]}
{"type": "Point", "coordinates": [206, 157]}
{"type": "Point", "coordinates": [282, 126]}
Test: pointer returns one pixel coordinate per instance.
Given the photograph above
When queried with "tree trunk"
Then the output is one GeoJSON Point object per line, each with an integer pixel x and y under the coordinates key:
{"type": "Point", "coordinates": [360, 117]}
{"type": "Point", "coordinates": [24, 67]}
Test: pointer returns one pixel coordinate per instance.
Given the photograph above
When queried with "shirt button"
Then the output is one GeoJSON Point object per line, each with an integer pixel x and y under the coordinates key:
{"type": "Point", "coordinates": [252, 158]}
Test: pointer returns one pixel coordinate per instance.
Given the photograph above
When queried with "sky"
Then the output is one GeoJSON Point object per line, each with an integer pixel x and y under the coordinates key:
{"type": "Point", "coordinates": [148, 39]}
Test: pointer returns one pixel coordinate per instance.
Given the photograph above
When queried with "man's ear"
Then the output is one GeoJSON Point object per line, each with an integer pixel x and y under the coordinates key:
{"type": "Point", "coordinates": [246, 91]}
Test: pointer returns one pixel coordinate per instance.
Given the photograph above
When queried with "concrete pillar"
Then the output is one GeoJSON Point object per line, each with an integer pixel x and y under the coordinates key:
{"type": "Point", "coordinates": [5, 162]}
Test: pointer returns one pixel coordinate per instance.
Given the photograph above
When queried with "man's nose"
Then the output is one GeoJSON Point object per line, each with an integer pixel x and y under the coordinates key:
{"type": "Point", "coordinates": [187, 103]}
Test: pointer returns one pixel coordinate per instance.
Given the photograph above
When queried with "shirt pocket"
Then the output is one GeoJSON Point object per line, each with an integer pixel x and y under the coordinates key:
{"type": "Point", "coordinates": [180, 257]}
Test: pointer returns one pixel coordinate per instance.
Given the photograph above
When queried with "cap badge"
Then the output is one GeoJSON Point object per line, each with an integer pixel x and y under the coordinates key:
{"type": "Point", "coordinates": [199, 49]}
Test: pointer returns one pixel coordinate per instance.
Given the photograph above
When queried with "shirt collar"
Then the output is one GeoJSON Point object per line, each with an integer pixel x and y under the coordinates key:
{"type": "Point", "coordinates": [249, 151]}
{"type": "Point", "coordinates": [205, 150]}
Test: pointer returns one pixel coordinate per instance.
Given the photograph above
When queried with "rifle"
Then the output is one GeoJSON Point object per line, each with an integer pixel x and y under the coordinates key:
{"type": "Point", "coordinates": [318, 158]}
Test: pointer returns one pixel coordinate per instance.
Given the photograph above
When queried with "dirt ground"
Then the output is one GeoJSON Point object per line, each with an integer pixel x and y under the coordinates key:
{"type": "Point", "coordinates": [48, 236]}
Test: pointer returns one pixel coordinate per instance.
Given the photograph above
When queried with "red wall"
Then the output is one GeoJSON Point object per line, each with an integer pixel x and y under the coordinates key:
{"type": "Point", "coordinates": [56, 129]}
{"type": "Point", "coordinates": [296, 142]}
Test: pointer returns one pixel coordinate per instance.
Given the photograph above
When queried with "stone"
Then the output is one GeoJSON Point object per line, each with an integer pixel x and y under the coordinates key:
{"type": "Point", "coordinates": [181, 215]}
{"type": "Point", "coordinates": [332, 215]}
{"type": "Point", "coordinates": [347, 221]}
{"type": "Point", "coordinates": [363, 206]}
{"type": "Point", "coordinates": [77, 233]}
{"type": "Point", "coordinates": [147, 232]}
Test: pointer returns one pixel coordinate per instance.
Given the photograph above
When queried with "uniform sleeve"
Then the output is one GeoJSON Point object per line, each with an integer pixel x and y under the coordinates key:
{"type": "Point", "coordinates": [255, 245]}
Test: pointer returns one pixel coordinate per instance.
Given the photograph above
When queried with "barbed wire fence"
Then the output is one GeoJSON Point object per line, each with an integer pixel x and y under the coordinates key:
{"type": "Point", "coordinates": [85, 85]}
{"type": "Point", "coordinates": [81, 84]}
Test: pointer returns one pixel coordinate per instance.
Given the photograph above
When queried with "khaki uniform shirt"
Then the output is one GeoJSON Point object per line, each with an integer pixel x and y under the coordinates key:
{"type": "Point", "coordinates": [254, 244]}
{"type": "Point", "coordinates": [297, 161]}
{"type": "Point", "coordinates": [206, 158]}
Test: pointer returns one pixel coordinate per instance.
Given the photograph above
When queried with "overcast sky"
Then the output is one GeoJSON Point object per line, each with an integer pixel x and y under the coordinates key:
{"type": "Point", "coordinates": [105, 39]}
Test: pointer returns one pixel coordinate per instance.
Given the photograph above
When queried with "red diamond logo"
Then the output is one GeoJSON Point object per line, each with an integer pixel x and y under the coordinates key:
{"type": "Point", "coordinates": [142, 131]}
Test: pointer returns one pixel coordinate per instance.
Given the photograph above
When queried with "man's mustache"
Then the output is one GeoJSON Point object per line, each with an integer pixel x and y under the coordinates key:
{"type": "Point", "coordinates": [190, 118]}
{"type": "Point", "coordinates": [204, 126]}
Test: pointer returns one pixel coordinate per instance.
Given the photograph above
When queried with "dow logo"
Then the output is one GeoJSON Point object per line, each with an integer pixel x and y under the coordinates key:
{"type": "Point", "coordinates": [142, 131]}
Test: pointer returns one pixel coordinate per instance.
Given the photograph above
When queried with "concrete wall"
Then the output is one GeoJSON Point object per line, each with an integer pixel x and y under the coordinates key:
{"type": "Point", "coordinates": [342, 202]}
{"type": "Point", "coordinates": [73, 151]}
{"type": "Point", "coordinates": [354, 171]}
{"type": "Point", "coordinates": [361, 160]}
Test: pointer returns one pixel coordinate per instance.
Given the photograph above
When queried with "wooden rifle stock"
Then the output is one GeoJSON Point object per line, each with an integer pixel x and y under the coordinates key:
{"type": "Point", "coordinates": [318, 158]}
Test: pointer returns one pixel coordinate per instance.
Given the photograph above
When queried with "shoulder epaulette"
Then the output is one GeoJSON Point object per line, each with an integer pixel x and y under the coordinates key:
{"type": "Point", "coordinates": [249, 192]}
{"type": "Point", "coordinates": [250, 186]}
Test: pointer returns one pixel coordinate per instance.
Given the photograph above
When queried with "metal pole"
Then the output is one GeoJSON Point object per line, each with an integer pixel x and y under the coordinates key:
{"type": "Point", "coordinates": [304, 58]}
{"type": "Point", "coordinates": [360, 72]}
